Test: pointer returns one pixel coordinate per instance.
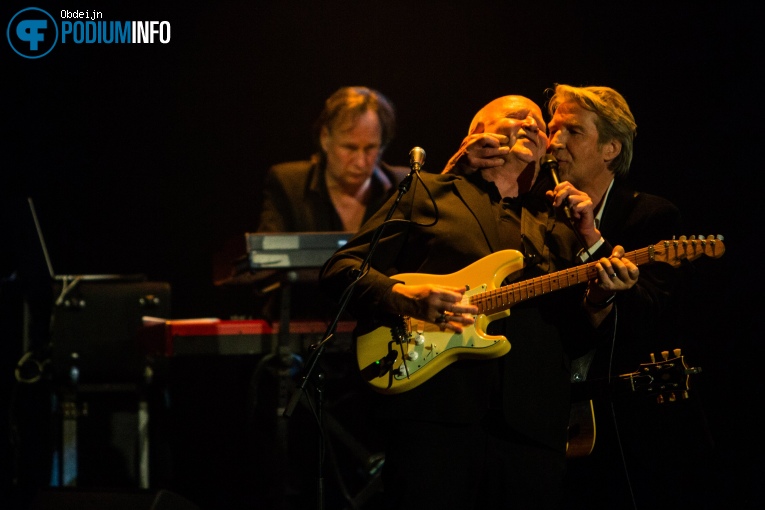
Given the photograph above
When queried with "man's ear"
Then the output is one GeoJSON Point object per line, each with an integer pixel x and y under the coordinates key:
{"type": "Point", "coordinates": [611, 150]}
{"type": "Point", "coordinates": [478, 129]}
{"type": "Point", "coordinates": [324, 138]}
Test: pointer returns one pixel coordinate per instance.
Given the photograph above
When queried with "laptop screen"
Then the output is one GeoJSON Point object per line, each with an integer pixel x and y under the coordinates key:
{"type": "Point", "coordinates": [45, 254]}
{"type": "Point", "coordinates": [41, 238]}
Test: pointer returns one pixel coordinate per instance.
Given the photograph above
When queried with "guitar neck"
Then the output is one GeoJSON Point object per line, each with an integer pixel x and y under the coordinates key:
{"type": "Point", "coordinates": [502, 298]}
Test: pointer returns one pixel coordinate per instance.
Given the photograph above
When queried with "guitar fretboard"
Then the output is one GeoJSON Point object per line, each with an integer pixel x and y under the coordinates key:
{"type": "Point", "coordinates": [502, 298]}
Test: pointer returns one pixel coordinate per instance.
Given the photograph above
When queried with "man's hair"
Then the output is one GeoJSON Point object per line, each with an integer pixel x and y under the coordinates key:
{"type": "Point", "coordinates": [347, 104]}
{"type": "Point", "coordinates": [614, 118]}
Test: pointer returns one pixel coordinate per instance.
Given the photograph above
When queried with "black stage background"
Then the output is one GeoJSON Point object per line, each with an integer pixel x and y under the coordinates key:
{"type": "Point", "coordinates": [147, 158]}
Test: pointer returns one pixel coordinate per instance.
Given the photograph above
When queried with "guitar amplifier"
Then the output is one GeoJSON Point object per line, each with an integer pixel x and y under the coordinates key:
{"type": "Point", "coordinates": [95, 327]}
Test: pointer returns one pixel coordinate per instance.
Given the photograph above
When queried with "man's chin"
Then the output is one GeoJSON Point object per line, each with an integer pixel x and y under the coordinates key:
{"type": "Point", "coordinates": [355, 181]}
{"type": "Point", "coordinates": [526, 155]}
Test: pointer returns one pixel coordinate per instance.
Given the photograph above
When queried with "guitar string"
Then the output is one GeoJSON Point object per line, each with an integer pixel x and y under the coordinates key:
{"type": "Point", "coordinates": [495, 298]}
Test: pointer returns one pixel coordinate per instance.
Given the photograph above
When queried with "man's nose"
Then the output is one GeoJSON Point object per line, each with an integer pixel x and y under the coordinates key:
{"type": "Point", "coordinates": [530, 124]}
{"type": "Point", "coordinates": [359, 157]}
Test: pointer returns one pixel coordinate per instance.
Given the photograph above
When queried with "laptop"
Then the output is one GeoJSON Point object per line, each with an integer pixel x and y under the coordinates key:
{"type": "Point", "coordinates": [95, 321]}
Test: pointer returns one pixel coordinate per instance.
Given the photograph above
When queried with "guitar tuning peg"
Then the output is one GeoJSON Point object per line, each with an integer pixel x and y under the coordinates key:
{"type": "Point", "coordinates": [720, 238]}
{"type": "Point", "coordinates": [660, 399]}
{"type": "Point", "coordinates": [701, 238]}
{"type": "Point", "coordinates": [683, 240]}
{"type": "Point", "coordinates": [684, 395]}
{"type": "Point", "coordinates": [653, 358]}
{"type": "Point", "coordinates": [676, 352]}
{"type": "Point", "coordinates": [665, 355]}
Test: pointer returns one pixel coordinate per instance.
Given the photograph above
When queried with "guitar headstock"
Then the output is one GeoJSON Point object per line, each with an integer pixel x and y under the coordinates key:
{"type": "Point", "coordinates": [674, 252]}
{"type": "Point", "coordinates": [668, 379]}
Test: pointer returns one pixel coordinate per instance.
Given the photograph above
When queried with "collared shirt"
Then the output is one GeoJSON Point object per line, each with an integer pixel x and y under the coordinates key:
{"type": "Point", "coordinates": [583, 255]}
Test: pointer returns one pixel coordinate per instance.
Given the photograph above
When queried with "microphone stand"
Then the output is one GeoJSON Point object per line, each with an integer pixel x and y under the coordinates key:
{"type": "Point", "coordinates": [416, 163]}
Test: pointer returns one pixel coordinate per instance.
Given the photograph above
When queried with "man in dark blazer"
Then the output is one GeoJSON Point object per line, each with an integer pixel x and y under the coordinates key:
{"type": "Point", "coordinates": [345, 181]}
{"type": "Point", "coordinates": [338, 188]}
{"type": "Point", "coordinates": [634, 431]}
{"type": "Point", "coordinates": [481, 433]}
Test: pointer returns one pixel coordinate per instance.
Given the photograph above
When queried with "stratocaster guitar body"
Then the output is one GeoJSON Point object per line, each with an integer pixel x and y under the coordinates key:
{"type": "Point", "coordinates": [425, 347]}
{"type": "Point", "coordinates": [398, 357]}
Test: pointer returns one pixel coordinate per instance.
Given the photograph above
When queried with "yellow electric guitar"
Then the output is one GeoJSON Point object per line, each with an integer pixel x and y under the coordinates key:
{"type": "Point", "coordinates": [667, 380]}
{"type": "Point", "coordinates": [398, 357]}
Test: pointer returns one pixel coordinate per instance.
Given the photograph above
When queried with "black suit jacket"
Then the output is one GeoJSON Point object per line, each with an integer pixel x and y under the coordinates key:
{"type": "Point", "coordinates": [633, 430]}
{"type": "Point", "coordinates": [295, 197]}
{"type": "Point", "coordinates": [530, 384]}
{"type": "Point", "coordinates": [636, 220]}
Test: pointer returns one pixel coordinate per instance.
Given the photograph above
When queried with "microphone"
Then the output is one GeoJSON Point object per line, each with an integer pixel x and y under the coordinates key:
{"type": "Point", "coordinates": [550, 164]}
{"type": "Point", "coordinates": [416, 158]}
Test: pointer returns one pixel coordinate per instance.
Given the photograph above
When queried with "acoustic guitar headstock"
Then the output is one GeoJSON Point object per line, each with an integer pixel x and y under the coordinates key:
{"type": "Point", "coordinates": [668, 378]}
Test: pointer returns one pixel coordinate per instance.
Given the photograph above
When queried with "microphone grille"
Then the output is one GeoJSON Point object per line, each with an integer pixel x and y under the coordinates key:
{"type": "Point", "coordinates": [417, 155]}
{"type": "Point", "coordinates": [548, 160]}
